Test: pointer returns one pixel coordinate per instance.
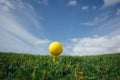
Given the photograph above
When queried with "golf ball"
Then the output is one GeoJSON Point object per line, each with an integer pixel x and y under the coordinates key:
{"type": "Point", "coordinates": [55, 48]}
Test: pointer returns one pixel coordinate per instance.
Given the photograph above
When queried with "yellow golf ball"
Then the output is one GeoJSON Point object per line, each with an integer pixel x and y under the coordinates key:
{"type": "Point", "coordinates": [55, 48]}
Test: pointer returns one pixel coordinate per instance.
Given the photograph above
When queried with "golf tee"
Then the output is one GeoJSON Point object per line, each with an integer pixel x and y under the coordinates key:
{"type": "Point", "coordinates": [54, 58]}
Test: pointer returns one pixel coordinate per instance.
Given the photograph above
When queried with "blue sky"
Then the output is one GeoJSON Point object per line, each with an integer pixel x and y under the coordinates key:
{"type": "Point", "coordinates": [84, 27]}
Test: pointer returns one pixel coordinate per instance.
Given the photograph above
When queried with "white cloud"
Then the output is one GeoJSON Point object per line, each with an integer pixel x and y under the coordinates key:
{"type": "Point", "coordinates": [104, 24]}
{"type": "Point", "coordinates": [98, 20]}
{"type": "Point", "coordinates": [72, 3]}
{"type": "Point", "coordinates": [15, 37]}
{"type": "Point", "coordinates": [43, 41]}
{"type": "Point", "coordinates": [108, 3]}
{"type": "Point", "coordinates": [108, 42]}
{"type": "Point", "coordinates": [111, 27]}
{"type": "Point", "coordinates": [89, 23]}
{"type": "Point", "coordinates": [85, 8]}
{"type": "Point", "coordinates": [6, 5]}
{"type": "Point", "coordinates": [94, 7]}
{"type": "Point", "coordinates": [118, 11]}
{"type": "Point", "coordinates": [94, 46]}
{"type": "Point", "coordinates": [44, 2]}
{"type": "Point", "coordinates": [95, 21]}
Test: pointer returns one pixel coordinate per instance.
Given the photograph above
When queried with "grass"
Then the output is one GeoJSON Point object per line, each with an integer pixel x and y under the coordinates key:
{"type": "Point", "coordinates": [35, 67]}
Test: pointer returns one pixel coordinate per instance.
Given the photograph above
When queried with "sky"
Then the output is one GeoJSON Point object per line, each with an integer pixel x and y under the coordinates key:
{"type": "Point", "coordinates": [84, 27]}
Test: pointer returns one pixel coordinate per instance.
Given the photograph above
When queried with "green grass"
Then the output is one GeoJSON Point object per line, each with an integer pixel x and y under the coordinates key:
{"type": "Point", "coordinates": [34, 67]}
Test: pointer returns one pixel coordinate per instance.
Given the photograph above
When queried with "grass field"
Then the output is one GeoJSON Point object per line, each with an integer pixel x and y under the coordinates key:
{"type": "Point", "coordinates": [34, 67]}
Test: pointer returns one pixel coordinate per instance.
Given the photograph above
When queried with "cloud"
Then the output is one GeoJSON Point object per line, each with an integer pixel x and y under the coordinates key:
{"type": "Point", "coordinates": [104, 23]}
{"type": "Point", "coordinates": [94, 46]}
{"type": "Point", "coordinates": [118, 11]}
{"type": "Point", "coordinates": [109, 27]}
{"type": "Point", "coordinates": [43, 2]}
{"type": "Point", "coordinates": [89, 23]}
{"type": "Point", "coordinates": [6, 5]}
{"type": "Point", "coordinates": [94, 7]}
{"type": "Point", "coordinates": [44, 41]}
{"type": "Point", "coordinates": [109, 3]}
{"type": "Point", "coordinates": [85, 8]}
{"type": "Point", "coordinates": [14, 32]}
{"type": "Point", "coordinates": [72, 3]}
{"type": "Point", "coordinates": [97, 20]}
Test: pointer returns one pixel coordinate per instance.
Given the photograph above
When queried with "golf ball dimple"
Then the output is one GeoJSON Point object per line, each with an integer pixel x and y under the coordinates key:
{"type": "Point", "coordinates": [55, 48]}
